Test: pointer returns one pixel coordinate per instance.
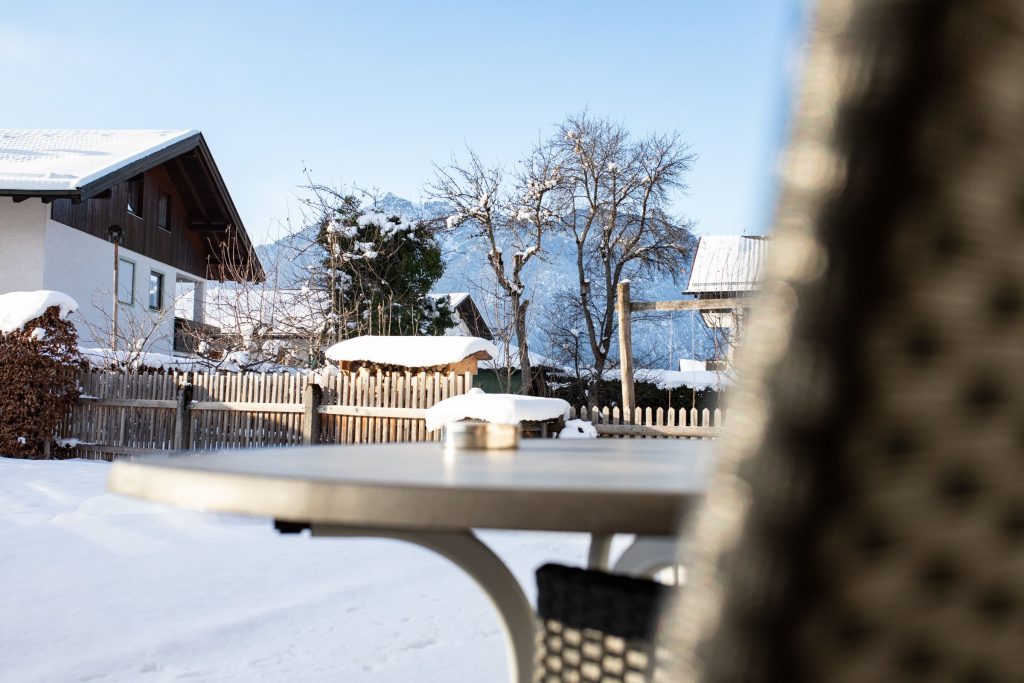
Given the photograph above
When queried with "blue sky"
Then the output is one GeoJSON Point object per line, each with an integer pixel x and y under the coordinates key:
{"type": "Point", "coordinates": [373, 92]}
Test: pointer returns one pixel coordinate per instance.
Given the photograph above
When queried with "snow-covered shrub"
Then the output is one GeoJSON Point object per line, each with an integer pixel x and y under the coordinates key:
{"type": "Point", "coordinates": [578, 429]}
{"type": "Point", "coordinates": [39, 359]}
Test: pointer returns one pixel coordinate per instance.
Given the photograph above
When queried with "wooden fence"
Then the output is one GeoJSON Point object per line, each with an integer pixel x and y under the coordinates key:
{"type": "Point", "coordinates": [123, 413]}
{"type": "Point", "coordinates": [654, 422]}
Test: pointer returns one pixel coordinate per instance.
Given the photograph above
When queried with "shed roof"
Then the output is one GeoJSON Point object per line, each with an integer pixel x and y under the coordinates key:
{"type": "Point", "coordinates": [728, 263]}
{"type": "Point", "coordinates": [410, 352]}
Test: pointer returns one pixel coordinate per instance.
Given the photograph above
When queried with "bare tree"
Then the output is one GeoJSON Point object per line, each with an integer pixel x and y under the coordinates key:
{"type": "Point", "coordinates": [514, 210]}
{"type": "Point", "coordinates": [136, 332]}
{"type": "Point", "coordinates": [256, 322]}
{"type": "Point", "coordinates": [613, 200]}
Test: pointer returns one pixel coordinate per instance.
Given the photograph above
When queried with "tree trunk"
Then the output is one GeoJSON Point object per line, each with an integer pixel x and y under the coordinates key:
{"type": "Point", "coordinates": [525, 371]}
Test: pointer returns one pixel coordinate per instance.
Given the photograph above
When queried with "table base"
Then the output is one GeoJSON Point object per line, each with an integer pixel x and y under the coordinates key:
{"type": "Point", "coordinates": [472, 555]}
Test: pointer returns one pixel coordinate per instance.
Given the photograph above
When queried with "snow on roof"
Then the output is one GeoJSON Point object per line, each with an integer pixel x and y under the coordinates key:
{"type": "Point", "coordinates": [34, 160]}
{"type": "Point", "coordinates": [495, 408]}
{"type": "Point", "coordinates": [454, 298]}
{"type": "Point", "coordinates": [410, 352]}
{"type": "Point", "coordinates": [17, 308]}
{"type": "Point", "coordinates": [727, 263]}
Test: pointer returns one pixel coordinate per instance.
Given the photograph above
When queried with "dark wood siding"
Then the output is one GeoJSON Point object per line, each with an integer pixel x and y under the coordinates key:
{"type": "Point", "coordinates": [180, 247]}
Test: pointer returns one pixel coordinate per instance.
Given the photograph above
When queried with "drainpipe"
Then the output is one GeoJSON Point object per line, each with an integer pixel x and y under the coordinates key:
{"type": "Point", "coordinates": [115, 232]}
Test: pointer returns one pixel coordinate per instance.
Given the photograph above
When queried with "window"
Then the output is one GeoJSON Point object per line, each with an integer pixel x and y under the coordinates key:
{"type": "Point", "coordinates": [135, 195]}
{"type": "Point", "coordinates": [163, 212]}
{"type": "Point", "coordinates": [125, 281]}
{"type": "Point", "coordinates": [156, 291]}
{"type": "Point", "coordinates": [185, 300]}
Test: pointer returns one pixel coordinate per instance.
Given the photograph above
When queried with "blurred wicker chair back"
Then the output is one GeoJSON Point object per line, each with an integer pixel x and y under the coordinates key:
{"type": "Point", "coordinates": [867, 523]}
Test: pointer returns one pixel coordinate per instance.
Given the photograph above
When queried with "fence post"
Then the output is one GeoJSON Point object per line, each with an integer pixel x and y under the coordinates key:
{"type": "Point", "coordinates": [183, 418]}
{"type": "Point", "coordinates": [311, 397]}
{"type": "Point", "coordinates": [623, 308]}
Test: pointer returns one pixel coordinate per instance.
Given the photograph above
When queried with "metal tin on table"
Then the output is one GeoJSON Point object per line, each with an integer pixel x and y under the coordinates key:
{"type": "Point", "coordinates": [474, 435]}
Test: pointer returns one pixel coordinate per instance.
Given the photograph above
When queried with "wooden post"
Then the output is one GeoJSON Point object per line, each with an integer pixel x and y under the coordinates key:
{"type": "Point", "coordinates": [623, 309]}
{"type": "Point", "coordinates": [311, 397]}
{"type": "Point", "coordinates": [183, 418]}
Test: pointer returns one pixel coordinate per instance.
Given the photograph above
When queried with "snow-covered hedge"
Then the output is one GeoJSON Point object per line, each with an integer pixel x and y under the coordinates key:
{"type": "Point", "coordinates": [38, 364]}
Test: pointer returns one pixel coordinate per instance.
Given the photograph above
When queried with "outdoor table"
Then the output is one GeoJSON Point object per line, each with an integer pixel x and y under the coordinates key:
{"type": "Point", "coordinates": [417, 493]}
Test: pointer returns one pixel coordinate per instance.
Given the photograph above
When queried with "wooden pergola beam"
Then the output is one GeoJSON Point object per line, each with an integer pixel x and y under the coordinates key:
{"type": "Point", "coordinates": [624, 307]}
{"type": "Point", "coordinates": [691, 305]}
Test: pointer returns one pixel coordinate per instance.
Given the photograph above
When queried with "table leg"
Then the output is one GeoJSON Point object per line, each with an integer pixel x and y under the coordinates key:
{"type": "Point", "coordinates": [600, 549]}
{"type": "Point", "coordinates": [469, 553]}
{"type": "Point", "coordinates": [648, 555]}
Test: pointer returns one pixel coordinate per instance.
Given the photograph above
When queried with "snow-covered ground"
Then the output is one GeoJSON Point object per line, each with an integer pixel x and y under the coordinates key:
{"type": "Point", "coordinates": [101, 588]}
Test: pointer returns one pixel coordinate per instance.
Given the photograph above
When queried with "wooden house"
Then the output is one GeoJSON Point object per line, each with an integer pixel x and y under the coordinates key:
{"type": "Point", "coordinates": [62, 190]}
{"type": "Point", "coordinates": [726, 267]}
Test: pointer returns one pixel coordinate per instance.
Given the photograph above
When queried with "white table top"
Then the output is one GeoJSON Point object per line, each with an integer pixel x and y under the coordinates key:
{"type": "Point", "coordinates": [597, 486]}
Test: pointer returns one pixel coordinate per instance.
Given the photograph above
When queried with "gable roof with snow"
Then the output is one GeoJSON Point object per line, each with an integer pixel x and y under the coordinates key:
{"type": "Point", "coordinates": [410, 352]}
{"type": "Point", "coordinates": [728, 263]}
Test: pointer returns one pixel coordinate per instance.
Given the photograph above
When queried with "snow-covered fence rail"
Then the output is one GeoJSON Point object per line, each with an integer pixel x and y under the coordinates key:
{"type": "Point", "coordinates": [658, 422]}
{"type": "Point", "coordinates": [124, 412]}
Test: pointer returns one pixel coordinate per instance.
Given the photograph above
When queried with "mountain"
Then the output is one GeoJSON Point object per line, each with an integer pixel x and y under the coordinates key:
{"type": "Point", "coordinates": [467, 270]}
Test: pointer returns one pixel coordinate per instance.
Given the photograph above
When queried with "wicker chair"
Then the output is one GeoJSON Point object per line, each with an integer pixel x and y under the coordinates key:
{"type": "Point", "coordinates": [595, 626]}
{"type": "Point", "coordinates": [867, 521]}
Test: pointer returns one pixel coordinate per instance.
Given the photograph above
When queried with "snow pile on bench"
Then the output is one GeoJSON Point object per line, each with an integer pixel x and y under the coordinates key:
{"type": "Point", "coordinates": [409, 352]}
{"type": "Point", "coordinates": [578, 429]}
{"type": "Point", "coordinates": [18, 308]}
{"type": "Point", "coordinates": [495, 408]}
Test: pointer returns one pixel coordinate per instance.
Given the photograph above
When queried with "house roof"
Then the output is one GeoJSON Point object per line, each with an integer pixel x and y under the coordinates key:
{"type": "Point", "coordinates": [463, 304]}
{"type": "Point", "coordinates": [727, 263]}
{"type": "Point", "coordinates": [62, 161]}
{"type": "Point", "coordinates": [80, 164]}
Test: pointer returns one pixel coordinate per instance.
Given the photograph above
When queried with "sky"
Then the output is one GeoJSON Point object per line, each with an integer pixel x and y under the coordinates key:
{"type": "Point", "coordinates": [374, 93]}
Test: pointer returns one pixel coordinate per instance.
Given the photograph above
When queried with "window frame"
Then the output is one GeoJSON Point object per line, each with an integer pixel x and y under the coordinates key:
{"type": "Point", "coordinates": [163, 279]}
{"type": "Point", "coordinates": [121, 281]}
{"type": "Point", "coordinates": [133, 182]}
{"type": "Point", "coordinates": [160, 199]}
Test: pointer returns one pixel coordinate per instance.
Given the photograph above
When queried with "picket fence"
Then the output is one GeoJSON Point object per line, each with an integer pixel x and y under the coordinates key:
{"type": "Point", "coordinates": [125, 413]}
{"type": "Point", "coordinates": [654, 422]}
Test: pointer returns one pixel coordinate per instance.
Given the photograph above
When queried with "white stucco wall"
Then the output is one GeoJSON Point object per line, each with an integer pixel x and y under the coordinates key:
{"type": "Point", "coordinates": [22, 244]}
{"type": "Point", "coordinates": [81, 265]}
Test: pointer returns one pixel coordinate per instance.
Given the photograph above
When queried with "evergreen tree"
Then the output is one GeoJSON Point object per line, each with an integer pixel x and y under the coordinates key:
{"type": "Point", "coordinates": [380, 270]}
